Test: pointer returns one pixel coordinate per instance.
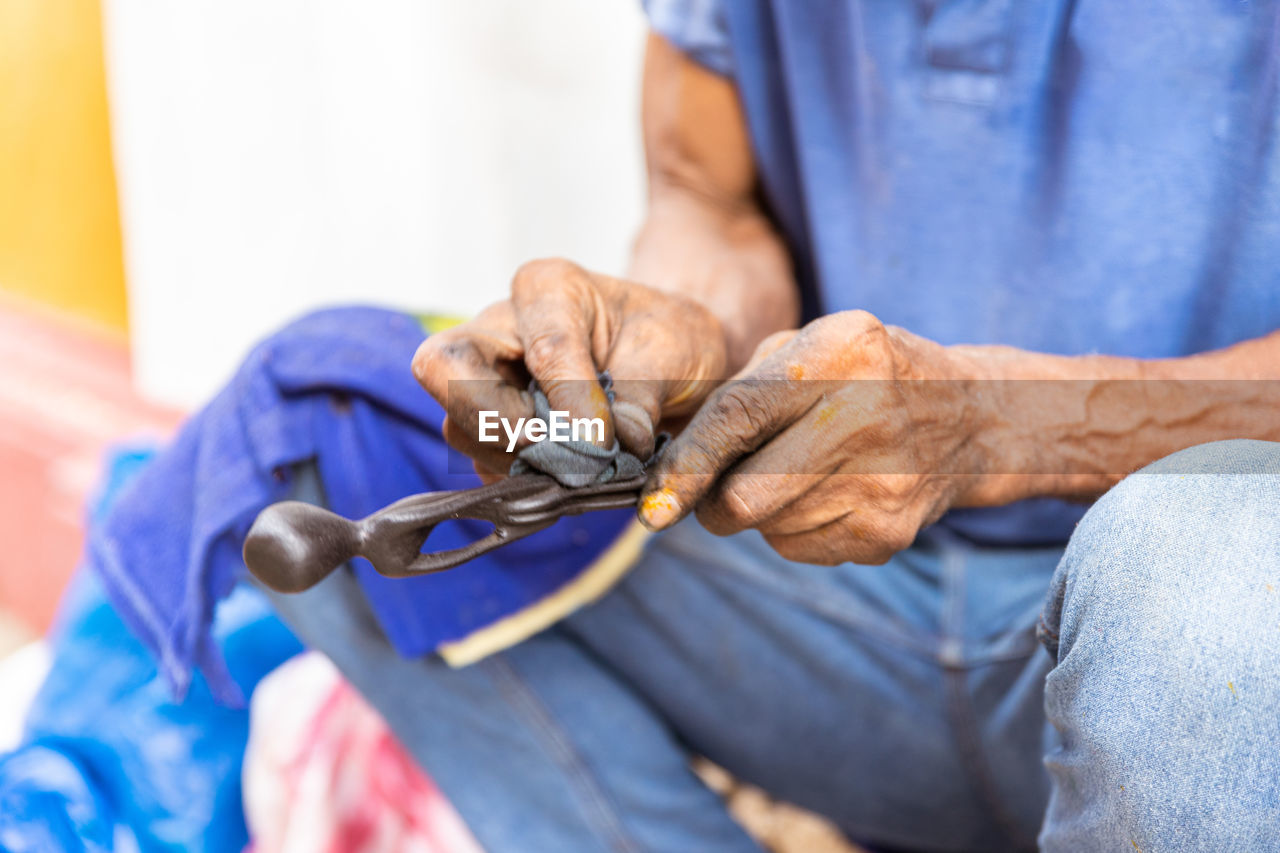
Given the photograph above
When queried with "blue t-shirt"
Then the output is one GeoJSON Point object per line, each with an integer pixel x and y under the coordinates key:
{"type": "Point", "coordinates": [1066, 177]}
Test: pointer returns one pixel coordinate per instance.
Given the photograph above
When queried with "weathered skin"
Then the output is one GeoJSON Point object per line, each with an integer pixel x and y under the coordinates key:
{"type": "Point", "coordinates": [903, 429]}
{"type": "Point", "coordinates": [717, 282]}
{"type": "Point", "coordinates": [565, 324]}
{"type": "Point", "coordinates": [851, 475]}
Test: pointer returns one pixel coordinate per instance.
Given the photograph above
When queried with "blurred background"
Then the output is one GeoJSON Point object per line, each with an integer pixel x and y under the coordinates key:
{"type": "Point", "coordinates": [178, 179]}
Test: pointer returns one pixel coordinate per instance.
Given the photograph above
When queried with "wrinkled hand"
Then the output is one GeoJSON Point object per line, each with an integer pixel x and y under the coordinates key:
{"type": "Point", "coordinates": [838, 442]}
{"type": "Point", "coordinates": [562, 326]}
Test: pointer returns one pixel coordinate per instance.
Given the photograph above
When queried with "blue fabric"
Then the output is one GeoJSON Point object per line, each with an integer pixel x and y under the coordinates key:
{"type": "Point", "coordinates": [870, 694]}
{"type": "Point", "coordinates": [1160, 620]}
{"type": "Point", "coordinates": [1070, 176]}
{"type": "Point", "coordinates": [905, 702]}
{"type": "Point", "coordinates": [107, 754]}
{"type": "Point", "coordinates": [697, 26]}
{"type": "Point", "coordinates": [334, 387]}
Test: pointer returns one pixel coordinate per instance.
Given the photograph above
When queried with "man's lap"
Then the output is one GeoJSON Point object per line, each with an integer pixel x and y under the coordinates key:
{"type": "Point", "coordinates": [903, 701]}
{"type": "Point", "coordinates": [867, 694]}
{"type": "Point", "coordinates": [538, 748]}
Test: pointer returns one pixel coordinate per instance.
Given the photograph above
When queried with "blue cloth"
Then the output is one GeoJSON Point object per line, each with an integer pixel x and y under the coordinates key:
{"type": "Point", "coordinates": [107, 755]}
{"type": "Point", "coordinates": [334, 387]}
{"type": "Point", "coordinates": [1069, 176]}
{"type": "Point", "coordinates": [905, 702]}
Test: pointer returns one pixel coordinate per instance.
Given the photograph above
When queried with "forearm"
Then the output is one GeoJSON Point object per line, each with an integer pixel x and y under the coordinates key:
{"type": "Point", "coordinates": [1099, 418]}
{"type": "Point", "coordinates": [726, 257]}
{"type": "Point", "coordinates": [705, 236]}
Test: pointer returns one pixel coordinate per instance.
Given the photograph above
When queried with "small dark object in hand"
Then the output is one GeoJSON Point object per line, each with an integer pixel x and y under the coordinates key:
{"type": "Point", "coordinates": [292, 546]}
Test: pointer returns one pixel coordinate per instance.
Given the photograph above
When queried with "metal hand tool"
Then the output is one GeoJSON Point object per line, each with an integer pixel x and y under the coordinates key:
{"type": "Point", "coordinates": [292, 546]}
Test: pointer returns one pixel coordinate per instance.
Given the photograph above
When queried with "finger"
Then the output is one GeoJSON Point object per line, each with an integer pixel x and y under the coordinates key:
{"type": "Point", "coordinates": [642, 402]}
{"type": "Point", "coordinates": [765, 349]}
{"type": "Point", "coordinates": [639, 389]}
{"type": "Point", "coordinates": [641, 408]}
{"type": "Point", "coordinates": [683, 398]}
{"type": "Point", "coordinates": [848, 539]}
{"type": "Point", "coordinates": [555, 307]}
{"type": "Point", "coordinates": [766, 489]}
{"type": "Point", "coordinates": [471, 396]}
{"type": "Point", "coordinates": [488, 475]}
{"type": "Point", "coordinates": [833, 543]}
{"type": "Point", "coordinates": [487, 340]}
{"type": "Point", "coordinates": [811, 509]}
{"type": "Point", "coordinates": [637, 407]}
{"type": "Point", "coordinates": [462, 368]}
{"type": "Point", "coordinates": [740, 501]}
{"type": "Point", "coordinates": [738, 418]}
{"type": "Point", "coordinates": [490, 455]}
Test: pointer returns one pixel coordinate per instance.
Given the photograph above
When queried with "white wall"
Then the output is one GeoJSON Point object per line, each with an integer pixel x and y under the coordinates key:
{"type": "Point", "coordinates": [275, 155]}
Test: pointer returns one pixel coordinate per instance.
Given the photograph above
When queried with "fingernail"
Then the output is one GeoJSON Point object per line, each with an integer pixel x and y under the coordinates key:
{"type": "Point", "coordinates": [632, 424]}
{"type": "Point", "coordinates": [659, 508]}
{"type": "Point", "coordinates": [632, 413]}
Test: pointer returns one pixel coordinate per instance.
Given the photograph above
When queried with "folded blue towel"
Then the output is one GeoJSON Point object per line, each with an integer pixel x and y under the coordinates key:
{"type": "Point", "coordinates": [334, 387]}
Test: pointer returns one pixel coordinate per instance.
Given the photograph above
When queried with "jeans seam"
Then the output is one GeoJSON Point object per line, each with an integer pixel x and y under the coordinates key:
{"type": "Point", "coordinates": [600, 810]}
{"type": "Point", "coordinates": [1050, 639]}
{"type": "Point", "coordinates": [959, 710]}
{"type": "Point", "coordinates": [970, 746]}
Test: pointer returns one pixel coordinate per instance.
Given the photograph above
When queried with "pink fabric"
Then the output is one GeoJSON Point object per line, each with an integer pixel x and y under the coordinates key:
{"type": "Point", "coordinates": [324, 774]}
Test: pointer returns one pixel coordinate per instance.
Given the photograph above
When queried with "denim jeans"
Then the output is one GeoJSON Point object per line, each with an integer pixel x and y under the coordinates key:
{"type": "Point", "coordinates": [909, 703]}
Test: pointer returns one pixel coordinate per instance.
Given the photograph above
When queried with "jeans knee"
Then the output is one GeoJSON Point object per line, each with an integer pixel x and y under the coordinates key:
{"type": "Point", "coordinates": [1237, 456]}
{"type": "Point", "coordinates": [1161, 619]}
{"type": "Point", "coordinates": [1197, 499]}
{"type": "Point", "coordinates": [1194, 521]}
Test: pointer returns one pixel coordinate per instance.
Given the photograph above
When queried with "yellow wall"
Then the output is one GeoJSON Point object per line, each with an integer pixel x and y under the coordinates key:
{"type": "Point", "coordinates": [59, 225]}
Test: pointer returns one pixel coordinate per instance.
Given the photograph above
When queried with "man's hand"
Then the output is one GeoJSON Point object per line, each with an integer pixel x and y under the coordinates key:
{"type": "Point", "coordinates": [836, 442]}
{"type": "Point", "coordinates": [840, 441]}
{"type": "Point", "coordinates": [562, 326]}
{"type": "Point", "coordinates": [717, 281]}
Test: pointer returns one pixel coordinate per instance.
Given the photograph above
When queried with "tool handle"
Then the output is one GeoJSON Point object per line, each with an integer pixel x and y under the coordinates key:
{"type": "Point", "coordinates": [292, 546]}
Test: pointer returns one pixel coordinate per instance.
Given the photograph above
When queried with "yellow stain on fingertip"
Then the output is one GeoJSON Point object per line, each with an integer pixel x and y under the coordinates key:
{"type": "Point", "coordinates": [659, 508]}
